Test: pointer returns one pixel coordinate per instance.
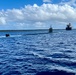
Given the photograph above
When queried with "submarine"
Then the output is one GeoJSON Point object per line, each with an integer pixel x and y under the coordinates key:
{"type": "Point", "coordinates": [69, 27]}
{"type": "Point", "coordinates": [50, 30]}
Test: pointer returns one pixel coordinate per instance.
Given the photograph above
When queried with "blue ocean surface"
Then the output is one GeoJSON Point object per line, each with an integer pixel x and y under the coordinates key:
{"type": "Point", "coordinates": [38, 52]}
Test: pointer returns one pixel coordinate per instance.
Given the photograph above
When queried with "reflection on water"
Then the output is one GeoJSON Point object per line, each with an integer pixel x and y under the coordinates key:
{"type": "Point", "coordinates": [41, 54]}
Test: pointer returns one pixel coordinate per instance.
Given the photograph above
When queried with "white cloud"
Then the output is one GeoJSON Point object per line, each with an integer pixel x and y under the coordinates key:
{"type": "Point", "coordinates": [14, 14]}
{"type": "Point", "coordinates": [46, 0]}
{"type": "Point", "coordinates": [38, 16]}
{"type": "Point", "coordinates": [69, 2]}
{"type": "Point", "coordinates": [2, 21]}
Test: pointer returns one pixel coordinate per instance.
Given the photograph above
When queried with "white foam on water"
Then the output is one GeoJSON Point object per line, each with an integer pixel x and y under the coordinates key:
{"type": "Point", "coordinates": [2, 36]}
{"type": "Point", "coordinates": [61, 68]}
{"type": "Point", "coordinates": [10, 36]}
{"type": "Point", "coordinates": [15, 35]}
{"type": "Point", "coordinates": [36, 54]}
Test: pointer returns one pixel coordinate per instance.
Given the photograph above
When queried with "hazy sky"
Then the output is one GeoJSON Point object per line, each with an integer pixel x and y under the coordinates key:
{"type": "Point", "coordinates": [36, 14]}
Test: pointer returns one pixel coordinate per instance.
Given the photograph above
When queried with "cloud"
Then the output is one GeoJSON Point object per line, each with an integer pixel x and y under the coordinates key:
{"type": "Point", "coordinates": [2, 21]}
{"type": "Point", "coordinates": [69, 2]}
{"type": "Point", "coordinates": [46, 0]}
{"type": "Point", "coordinates": [14, 15]}
{"type": "Point", "coordinates": [38, 16]}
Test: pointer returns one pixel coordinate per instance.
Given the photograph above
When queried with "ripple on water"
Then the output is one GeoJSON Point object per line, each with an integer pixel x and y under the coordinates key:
{"type": "Point", "coordinates": [60, 55]}
{"type": "Point", "coordinates": [28, 55]}
{"type": "Point", "coordinates": [12, 73]}
{"type": "Point", "coordinates": [55, 72]}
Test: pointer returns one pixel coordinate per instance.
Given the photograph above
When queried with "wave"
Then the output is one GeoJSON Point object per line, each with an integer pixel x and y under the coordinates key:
{"type": "Point", "coordinates": [12, 73]}
{"type": "Point", "coordinates": [10, 36]}
{"type": "Point", "coordinates": [55, 72]}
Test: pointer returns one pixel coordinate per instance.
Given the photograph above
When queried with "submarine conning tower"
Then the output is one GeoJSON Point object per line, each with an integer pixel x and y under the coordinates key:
{"type": "Point", "coordinates": [50, 29]}
{"type": "Point", "coordinates": [69, 27]}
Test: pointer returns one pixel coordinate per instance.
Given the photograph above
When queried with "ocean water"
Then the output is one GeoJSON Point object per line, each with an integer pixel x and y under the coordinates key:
{"type": "Point", "coordinates": [38, 53]}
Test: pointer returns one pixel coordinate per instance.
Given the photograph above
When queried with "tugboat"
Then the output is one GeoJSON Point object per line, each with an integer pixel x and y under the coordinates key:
{"type": "Point", "coordinates": [50, 30]}
{"type": "Point", "coordinates": [69, 27]}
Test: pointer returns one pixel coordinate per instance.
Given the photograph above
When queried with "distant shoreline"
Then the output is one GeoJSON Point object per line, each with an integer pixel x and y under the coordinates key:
{"type": "Point", "coordinates": [30, 30]}
{"type": "Point", "coordinates": [24, 30]}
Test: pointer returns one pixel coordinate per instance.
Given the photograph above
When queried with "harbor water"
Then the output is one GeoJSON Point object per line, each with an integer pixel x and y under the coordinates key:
{"type": "Point", "coordinates": [35, 52]}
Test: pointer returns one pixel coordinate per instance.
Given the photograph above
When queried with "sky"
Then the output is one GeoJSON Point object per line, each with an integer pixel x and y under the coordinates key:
{"type": "Point", "coordinates": [37, 14]}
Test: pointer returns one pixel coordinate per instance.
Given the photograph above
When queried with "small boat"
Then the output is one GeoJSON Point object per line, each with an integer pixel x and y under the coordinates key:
{"type": "Point", "coordinates": [69, 27]}
{"type": "Point", "coordinates": [7, 35]}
